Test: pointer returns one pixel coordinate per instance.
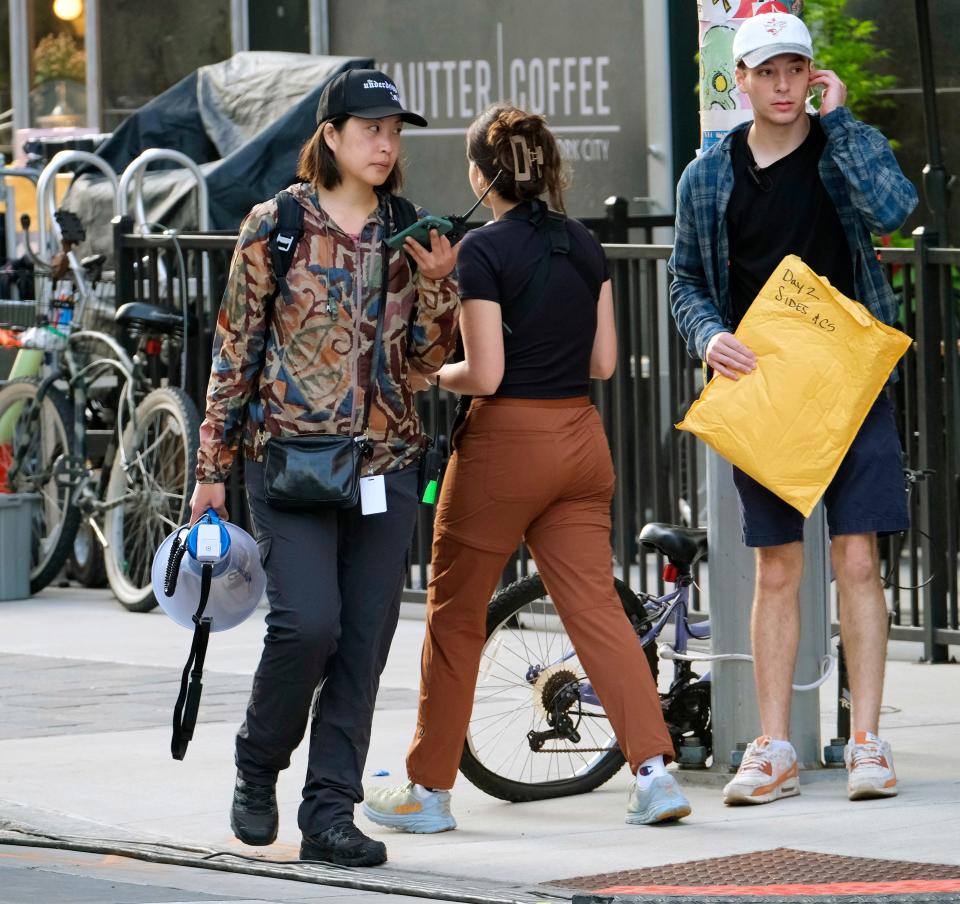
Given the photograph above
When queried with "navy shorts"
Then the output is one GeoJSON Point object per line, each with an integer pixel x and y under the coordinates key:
{"type": "Point", "coordinates": [866, 496]}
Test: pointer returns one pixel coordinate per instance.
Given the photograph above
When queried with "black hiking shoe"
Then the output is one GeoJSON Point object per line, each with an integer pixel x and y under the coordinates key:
{"type": "Point", "coordinates": [253, 816]}
{"type": "Point", "coordinates": [345, 845]}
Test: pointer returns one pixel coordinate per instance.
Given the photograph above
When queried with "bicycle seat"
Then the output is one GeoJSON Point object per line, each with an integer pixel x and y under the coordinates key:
{"type": "Point", "coordinates": [683, 546]}
{"type": "Point", "coordinates": [93, 262]}
{"type": "Point", "coordinates": [149, 317]}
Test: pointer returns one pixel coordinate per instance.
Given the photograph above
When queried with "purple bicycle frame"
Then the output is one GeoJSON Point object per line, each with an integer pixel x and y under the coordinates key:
{"type": "Point", "coordinates": [675, 606]}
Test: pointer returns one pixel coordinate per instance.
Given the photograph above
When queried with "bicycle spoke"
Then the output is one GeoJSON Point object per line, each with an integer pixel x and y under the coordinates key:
{"type": "Point", "coordinates": [528, 659]}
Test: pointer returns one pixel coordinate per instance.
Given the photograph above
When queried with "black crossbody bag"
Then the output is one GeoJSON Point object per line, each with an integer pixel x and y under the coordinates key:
{"type": "Point", "coordinates": [322, 470]}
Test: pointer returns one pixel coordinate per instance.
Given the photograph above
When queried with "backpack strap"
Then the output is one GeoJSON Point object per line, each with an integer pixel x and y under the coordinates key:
{"type": "Point", "coordinates": [403, 213]}
{"type": "Point", "coordinates": [285, 237]}
{"type": "Point", "coordinates": [552, 228]}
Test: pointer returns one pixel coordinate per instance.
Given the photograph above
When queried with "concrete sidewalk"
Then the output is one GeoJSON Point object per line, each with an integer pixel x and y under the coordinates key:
{"type": "Point", "coordinates": [88, 691]}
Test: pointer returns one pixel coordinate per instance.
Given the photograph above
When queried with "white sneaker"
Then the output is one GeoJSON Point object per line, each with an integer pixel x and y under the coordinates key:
{"type": "Point", "coordinates": [767, 772]}
{"type": "Point", "coordinates": [869, 767]}
{"type": "Point", "coordinates": [401, 808]}
{"type": "Point", "coordinates": [661, 801]}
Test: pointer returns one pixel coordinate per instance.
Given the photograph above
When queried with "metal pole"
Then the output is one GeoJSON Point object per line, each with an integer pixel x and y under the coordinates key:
{"type": "Point", "coordinates": [6, 189]}
{"type": "Point", "coordinates": [731, 571]}
{"type": "Point", "coordinates": [239, 25]}
{"type": "Point", "coordinates": [10, 219]}
{"type": "Point", "coordinates": [930, 427]}
{"type": "Point", "coordinates": [617, 214]}
{"type": "Point", "coordinates": [91, 38]}
{"type": "Point", "coordinates": [19, 68]}
{"type": "Point", "coordinates": [319, 27]}
{"type": "Point", "coordinates": [814, 639]}
{"type": "Point", "coordinates": [937, 182]}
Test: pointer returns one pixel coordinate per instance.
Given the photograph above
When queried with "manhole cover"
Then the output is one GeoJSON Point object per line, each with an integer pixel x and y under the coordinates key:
{"type": "Point", "coordinates": [780, 872]}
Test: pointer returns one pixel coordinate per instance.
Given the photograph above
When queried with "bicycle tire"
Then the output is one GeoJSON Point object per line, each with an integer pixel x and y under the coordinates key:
{"type": "Point", "coordinates": [85, 563]}
{"type": "Point", "coordinates": [55, 524]}
{"type": "Point", "coordinates": [157, 494]}
{"type": "Point", "coordinates": [517, 603]}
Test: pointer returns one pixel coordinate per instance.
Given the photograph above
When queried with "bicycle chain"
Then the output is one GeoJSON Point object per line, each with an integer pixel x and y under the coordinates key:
{"type": "Point", "coordinates": [573, 750]}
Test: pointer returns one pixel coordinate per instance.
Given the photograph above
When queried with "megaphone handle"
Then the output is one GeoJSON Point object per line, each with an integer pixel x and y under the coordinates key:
{"type": "Point", "coordinates": [177, 551]}
{"type": "Point", "coordinates": [188, 701]}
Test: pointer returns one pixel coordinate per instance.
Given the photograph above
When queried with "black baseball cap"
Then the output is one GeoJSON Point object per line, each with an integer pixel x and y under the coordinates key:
{"type": "Point", "coordinates": [366, 93]}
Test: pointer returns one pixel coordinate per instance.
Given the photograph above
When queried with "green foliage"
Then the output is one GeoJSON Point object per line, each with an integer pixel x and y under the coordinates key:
{"type": "Point", "coordinates": [58, 57]}
{"type": "Point", "coordinates": [847, 46]}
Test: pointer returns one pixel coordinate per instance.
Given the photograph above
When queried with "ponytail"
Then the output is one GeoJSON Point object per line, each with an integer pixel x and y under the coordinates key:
{"type": "Point", "coordinates": [520, 147]}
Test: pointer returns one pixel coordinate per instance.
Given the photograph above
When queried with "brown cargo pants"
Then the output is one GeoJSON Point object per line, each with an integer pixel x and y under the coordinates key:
{"type": "Point", "coordinates": [540, 471]}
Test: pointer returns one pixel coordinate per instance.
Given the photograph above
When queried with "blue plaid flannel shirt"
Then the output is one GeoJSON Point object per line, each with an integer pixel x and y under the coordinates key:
{"type": "Point", "coordinates": [863, 179]}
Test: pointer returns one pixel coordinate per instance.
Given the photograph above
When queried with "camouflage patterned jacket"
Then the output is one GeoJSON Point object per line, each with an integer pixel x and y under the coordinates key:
{"type": "Point", "coordinates": [307, 373]}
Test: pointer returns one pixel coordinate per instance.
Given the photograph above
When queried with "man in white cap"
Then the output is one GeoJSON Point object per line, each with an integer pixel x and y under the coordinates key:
{"type": "Point", "coordinates": [816, 186]}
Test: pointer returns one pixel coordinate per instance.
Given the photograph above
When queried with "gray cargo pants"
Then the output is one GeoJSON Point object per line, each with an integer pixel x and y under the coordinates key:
{"type": "Point", "coordinates": [334, 579]}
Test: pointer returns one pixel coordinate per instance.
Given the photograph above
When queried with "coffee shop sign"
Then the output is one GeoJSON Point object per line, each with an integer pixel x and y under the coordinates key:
{"type": "Point", "coordinates": [571, 91]}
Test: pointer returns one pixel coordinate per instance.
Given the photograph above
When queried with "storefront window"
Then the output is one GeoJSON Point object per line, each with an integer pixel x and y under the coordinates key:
{"type": "Point", "coordinates": [146, 47]}
{"type": "Point", "coordinates": [58, 94]}
{"type": "Point", "coordinates": [280, 25]}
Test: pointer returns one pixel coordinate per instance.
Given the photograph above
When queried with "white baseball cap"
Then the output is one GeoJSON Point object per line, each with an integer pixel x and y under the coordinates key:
{"type": "Point", "coordinates": [761, 37]}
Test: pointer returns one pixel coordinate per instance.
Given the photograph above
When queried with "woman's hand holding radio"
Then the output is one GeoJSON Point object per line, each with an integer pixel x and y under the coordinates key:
{"type": "Point", "coordinates": [439, 261]}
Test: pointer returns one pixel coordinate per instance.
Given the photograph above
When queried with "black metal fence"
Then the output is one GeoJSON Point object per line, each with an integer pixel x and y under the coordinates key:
{"type": "Point", "coordinates": [659, 469]}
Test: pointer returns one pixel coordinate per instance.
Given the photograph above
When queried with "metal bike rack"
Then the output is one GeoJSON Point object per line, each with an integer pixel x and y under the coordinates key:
{"type": "Point", "coordinates": [136, 168]}
{"type": "Point", "coordinates": [47, 198]}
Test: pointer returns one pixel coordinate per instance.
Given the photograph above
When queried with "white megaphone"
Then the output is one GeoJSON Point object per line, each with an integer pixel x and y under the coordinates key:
{"type": "Point", "coordinates": [209, 578]}
{"type": "Point", "coordinates": [237, 579]}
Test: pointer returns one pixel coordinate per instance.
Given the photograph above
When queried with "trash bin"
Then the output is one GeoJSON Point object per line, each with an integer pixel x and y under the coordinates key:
{"type": "Point", "coordinates": [16, 510]}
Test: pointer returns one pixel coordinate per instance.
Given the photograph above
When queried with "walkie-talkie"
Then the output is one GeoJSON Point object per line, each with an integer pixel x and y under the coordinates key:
{"type": "Point", "coordinates": [433, 462]}
{"type": "Point", "coordinates": [453, 227]}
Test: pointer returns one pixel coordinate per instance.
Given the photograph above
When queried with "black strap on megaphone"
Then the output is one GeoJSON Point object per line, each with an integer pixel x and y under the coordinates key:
{"type": "Point", "coordinates": [191, 687]}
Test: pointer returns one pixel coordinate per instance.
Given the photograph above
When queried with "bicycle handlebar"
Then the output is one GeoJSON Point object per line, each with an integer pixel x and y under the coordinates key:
{"type": "Point", "coordinates": [34, 258]}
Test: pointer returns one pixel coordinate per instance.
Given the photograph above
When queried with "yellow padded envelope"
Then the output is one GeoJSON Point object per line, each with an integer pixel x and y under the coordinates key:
{"type": "Point", "coordinates": [822, 360]}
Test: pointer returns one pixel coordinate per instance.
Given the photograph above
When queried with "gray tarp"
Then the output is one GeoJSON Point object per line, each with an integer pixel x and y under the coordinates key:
{"type": "Point", "coordinates": [243, 121]}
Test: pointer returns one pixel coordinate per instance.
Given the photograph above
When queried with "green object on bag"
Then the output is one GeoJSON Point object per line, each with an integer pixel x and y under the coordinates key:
{"type": "Point", "coordinates": [430, 493]}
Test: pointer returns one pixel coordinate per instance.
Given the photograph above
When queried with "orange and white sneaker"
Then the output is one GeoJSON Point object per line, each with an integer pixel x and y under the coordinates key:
{"type": "Point", "coordinates": [767, 772]}
{"type": "Point", "coordinates": [410, 808]}
{"type": "Point", "coordinates": [869, 767]}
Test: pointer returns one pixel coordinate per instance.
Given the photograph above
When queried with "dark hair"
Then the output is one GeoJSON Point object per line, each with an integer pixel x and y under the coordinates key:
{"type": "Point", "coordinates": [489, 147]}
{"type": "Point", "coordinates": [318, 166]}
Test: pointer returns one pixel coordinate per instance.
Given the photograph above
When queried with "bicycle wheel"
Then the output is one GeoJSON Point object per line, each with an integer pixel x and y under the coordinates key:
{"type": "Point", "coordinates": [85, 562]}
{"type": "Point", "coordinates": [530, 681]}
{"type": "Point", "coordinates": [40, 445]}
{"type": "Point", "coordinates": [148, 491]}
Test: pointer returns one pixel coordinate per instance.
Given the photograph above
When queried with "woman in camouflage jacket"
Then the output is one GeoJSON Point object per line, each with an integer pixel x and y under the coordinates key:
{"type": "Point", "coordinates": [334, 575]}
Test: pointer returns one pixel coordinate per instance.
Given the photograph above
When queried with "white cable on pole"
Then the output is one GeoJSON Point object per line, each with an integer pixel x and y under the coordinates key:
{"type": "Point", "coordinates": [827, 663]}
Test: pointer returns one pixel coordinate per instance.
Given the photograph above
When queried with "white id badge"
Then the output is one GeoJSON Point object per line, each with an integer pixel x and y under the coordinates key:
{"type": "Point", "coordinates": [373, 495]}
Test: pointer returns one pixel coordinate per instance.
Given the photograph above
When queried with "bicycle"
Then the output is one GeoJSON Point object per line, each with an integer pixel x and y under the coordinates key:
{"type": "Point", "coordinates": [93, 437]}
{"type": "Point", "coordinates": [538, 729]}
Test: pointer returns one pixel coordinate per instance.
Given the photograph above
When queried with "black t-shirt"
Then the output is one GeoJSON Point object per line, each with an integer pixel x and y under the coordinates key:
{"type": "Point", "coordinates": [779, 210]}
{"type": "Point", "coordinates": [547, 352]}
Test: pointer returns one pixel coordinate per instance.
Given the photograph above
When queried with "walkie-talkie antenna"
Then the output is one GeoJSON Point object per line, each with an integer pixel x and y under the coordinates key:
{"type": "Point", "coordinates": [486, 192]}
{"type": "Point", "coordinates": [458, 225]}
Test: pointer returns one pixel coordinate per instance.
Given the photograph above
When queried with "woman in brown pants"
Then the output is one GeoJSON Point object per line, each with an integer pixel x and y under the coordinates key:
{"type": "Point", "coordinates": [531, 464]}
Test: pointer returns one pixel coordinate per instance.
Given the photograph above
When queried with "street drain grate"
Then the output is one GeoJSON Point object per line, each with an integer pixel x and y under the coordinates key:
{"type": "Point", "coordinates": [779, 872]}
